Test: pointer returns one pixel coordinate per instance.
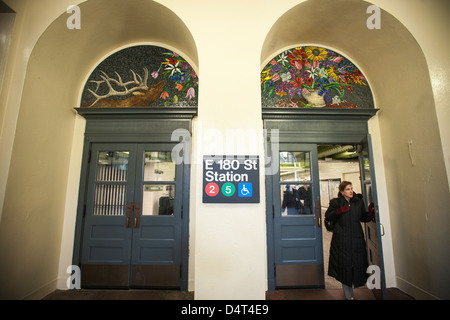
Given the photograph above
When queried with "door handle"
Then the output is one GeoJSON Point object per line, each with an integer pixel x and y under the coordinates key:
{"type": "Point", "coordinates": [133, 211]}
{"type": "Point", "coordinates": [136, 213]}
{"type": "Point", "coordinates": [129, 213]}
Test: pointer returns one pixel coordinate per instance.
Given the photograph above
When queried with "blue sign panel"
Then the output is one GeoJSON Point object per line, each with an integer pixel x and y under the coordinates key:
{"type": "Point", "coordinates": [245, 189]}
{"type": "Point", "coordinates": [230, 179]}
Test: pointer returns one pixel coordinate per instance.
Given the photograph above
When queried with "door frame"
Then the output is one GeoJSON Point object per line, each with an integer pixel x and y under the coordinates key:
{"type": "Point", "coordinates": [314, 126]}
{"type": "Point", "coordinates": [136, 125]}
{"type": "Point", "coordinates": [373, 226]}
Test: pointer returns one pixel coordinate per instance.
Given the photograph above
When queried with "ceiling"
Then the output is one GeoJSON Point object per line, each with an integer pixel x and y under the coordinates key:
{"type": "Point", "coordinates": [337, 152]}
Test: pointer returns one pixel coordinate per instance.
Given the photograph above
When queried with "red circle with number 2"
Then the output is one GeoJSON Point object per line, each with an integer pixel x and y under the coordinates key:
{"type": "Point", "coordinates": [212, 189]}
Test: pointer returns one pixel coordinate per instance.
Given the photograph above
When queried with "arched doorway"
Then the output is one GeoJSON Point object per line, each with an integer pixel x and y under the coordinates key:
{"type": "Point", "coordinates": [311, 97]}
{"type": "Point", "coordinates": [133, 212]}
{"type": "Point", "coordinates": [402, 111]}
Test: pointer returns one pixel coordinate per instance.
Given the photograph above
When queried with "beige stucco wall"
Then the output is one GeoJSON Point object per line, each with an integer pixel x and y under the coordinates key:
{"type": "Point", "coordinates": [228, 43]}
{"type": "Point", "coordinates": [417, 190]}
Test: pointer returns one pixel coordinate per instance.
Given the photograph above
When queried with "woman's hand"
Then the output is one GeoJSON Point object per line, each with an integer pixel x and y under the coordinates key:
{"type": "Point", "coordinates": [371, 211]}
{"type": "Point", "coordinates": [342, 209]}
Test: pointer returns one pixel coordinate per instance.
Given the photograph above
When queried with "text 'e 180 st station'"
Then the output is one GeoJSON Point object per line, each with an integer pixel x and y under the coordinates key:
{"type": "Point", "coordinates": [230, 179]}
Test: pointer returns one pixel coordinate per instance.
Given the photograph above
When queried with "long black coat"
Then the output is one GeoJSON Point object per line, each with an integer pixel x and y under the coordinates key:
{"type": "Point", "coordinates": [348, 256]}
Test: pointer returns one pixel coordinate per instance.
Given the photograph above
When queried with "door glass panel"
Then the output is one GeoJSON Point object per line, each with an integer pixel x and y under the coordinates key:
{"type": "Point", "coordinates": [158, 199]}
{"type": "Point", "coordinates": [158, 190]}
{"type": "Point", "coordinates": [112, 166]}
{"type": "Point", "coordinates": [366, 164]}
{"type": "Point", "coordinates": [159, 167]}
{"type": "Point", "coordinates": [369, 197]}
{"type": "Point", "coordinates": [110, 185]}
{"type": "Point", "coordinates": [296, 199]}
{"type": "Point", "coordinates": [295, 166]}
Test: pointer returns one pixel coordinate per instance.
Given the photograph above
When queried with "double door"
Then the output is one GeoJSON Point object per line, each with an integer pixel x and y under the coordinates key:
{"type": "Point", "coordinates": [133, 217]}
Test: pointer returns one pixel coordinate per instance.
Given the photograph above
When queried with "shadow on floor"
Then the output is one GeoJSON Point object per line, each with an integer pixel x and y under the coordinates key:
{"type": "Point", "coordinates": [333, 294]}
{"type": "Point", "coordinates": [294, 294]}
{"type": "Point", "coordinates": [89, 294]}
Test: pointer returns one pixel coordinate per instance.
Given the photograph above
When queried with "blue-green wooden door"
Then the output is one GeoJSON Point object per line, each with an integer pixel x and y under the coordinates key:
{"type": "Point", "coordinates": [373, 229]}
{"type": "Point", "coordinates": [133, 217]}
{"type": "Point", "coordinates": [297, 233]}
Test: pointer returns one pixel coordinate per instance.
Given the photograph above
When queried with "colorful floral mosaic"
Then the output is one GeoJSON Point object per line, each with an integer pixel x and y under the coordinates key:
{"type": "Point", "coordinates": [142, 76]}
{"type": "Point", "coordinates": [314, 77]}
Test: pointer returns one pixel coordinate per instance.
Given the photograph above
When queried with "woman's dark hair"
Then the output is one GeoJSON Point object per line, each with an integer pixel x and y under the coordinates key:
{"type": "Point", "coordinates": [344, 185]}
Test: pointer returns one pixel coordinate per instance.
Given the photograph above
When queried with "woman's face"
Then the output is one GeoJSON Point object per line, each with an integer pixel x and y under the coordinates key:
{"type": "Point", "coordinates": [348, 191]}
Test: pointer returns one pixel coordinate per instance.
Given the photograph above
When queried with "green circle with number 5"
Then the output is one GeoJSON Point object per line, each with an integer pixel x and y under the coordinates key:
{"type": "Point", "coordinates": [228, 189]}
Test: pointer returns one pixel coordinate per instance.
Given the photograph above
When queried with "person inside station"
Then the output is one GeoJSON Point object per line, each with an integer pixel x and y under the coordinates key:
{"type": "Point", "coordinates": [290, 201]}
{"type": "Point", "coordinates": [305, 199]}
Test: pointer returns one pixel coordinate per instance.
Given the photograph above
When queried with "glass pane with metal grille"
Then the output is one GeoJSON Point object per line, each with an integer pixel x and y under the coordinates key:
{"type": "Point", "coordinates": [110, 185]}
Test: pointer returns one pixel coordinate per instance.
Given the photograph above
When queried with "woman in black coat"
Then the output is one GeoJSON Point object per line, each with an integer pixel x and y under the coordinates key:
{"type": "Point", "coordinates": [348, 257]}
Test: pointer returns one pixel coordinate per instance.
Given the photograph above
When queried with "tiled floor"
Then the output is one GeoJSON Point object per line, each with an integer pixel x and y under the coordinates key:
{"type": "Point", "coordinates": [300, 294]}
{"type": "Point", "coordinates": [333, 290]}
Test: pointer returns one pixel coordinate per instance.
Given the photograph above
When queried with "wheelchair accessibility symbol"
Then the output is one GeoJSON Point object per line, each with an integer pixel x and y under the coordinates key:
{"type": "Point", "coordinates": [245, 189]}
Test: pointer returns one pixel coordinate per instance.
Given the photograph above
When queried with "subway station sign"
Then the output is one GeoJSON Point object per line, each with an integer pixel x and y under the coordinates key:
{"type": "Point", "coordinates": [230, 179]}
